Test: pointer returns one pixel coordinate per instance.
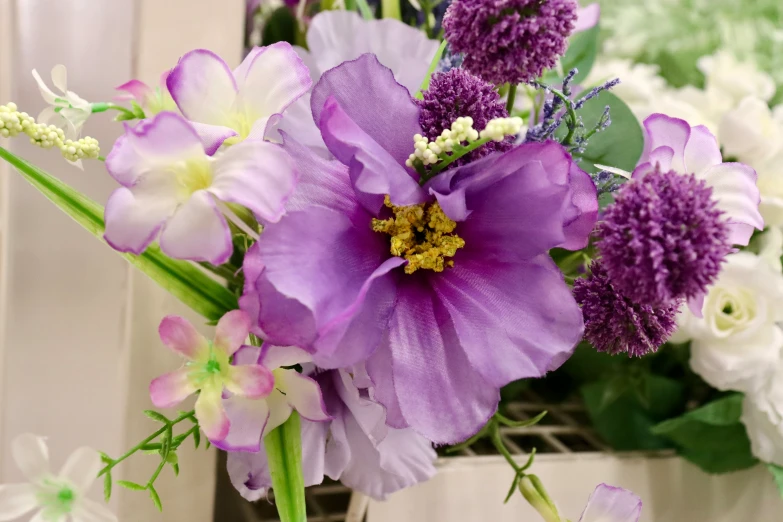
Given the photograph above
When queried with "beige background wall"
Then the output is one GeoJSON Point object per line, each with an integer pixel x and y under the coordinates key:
{"type": "Point", "coordinates": [78, 329]}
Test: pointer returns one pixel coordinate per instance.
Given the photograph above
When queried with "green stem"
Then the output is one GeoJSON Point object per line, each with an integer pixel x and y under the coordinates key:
{"type": "Point", "coordinates": [350, 5]}
{"type": "Point", "coordinates": [438, 168]}
{"type": "Point", "coordinates": [571, 114]}
{"type": "Point", "coordinates": [426, 8]}
{"type": "Point", "coordinates": [284, 453]}
{"type": "Point", "coordinates": [137, 447]}
{"type": "Point", "coordinates": [391, 9]}
{"type": "Point", "coordinates": [103, 107]}
{"type": "Point", "coordinates": [433, 65]}
{"type": "Point", "coordinates": [229, 274]}
{"type": "Point", "coordinates": [512, 94]}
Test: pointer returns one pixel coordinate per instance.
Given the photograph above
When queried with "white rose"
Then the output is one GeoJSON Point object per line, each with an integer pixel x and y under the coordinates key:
{"type": "Point", "coordinates": [750, 133]}
{"type": "Point", "coordinates": [736, 345]}
{"type": "Point", "coordinates": [770, 184]}
{"type": "Point", "coordinates": [762, 415]}
{"type": "Point", "coordinates": [640, 85]}
{"type": "Point", "coordinates": [735, 79]}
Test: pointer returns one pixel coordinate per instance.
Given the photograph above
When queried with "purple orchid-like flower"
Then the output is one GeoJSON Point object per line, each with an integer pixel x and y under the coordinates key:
{"type": "Point", "coordinates": [224, 104]}
{"type": "Point", "coordinates": [355, 447]}
{"type": "Point", "coordinates": [612, 504]}
{"type": "Point", "coordinates": [152, 99]}
{"type": "Point", "coordinates": [672, 144]}
{"type": "Point", "coordinates": [251, 420]}
{"type": "Point", "coordinates": [471, 300]}
{"type": "Point", "coordinates": [208, 370]}
{"type": "Point", "coordinates": [171, 186]}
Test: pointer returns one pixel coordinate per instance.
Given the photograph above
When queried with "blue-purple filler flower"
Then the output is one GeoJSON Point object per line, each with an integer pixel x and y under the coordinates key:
{"type": "Point", "coordinates": [614, 324]}
{"type": "Point", "coordinates": [663, 239]}
{"type": "Point", "coordinates": [458, 93]}
{"type": "Point", "coordinates": [510, 41]}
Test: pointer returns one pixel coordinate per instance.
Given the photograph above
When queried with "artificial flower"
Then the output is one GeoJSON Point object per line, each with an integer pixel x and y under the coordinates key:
{"type": "Point", "coordinates": [762, 415]}
{"type": "Point", "coordinates": [737, 342]}
{"type": "Point", "coordinates": [733, 80]}
{"type": "Point", "coordinates": [510, 41]}
{"type": "Point", "coordinates": [58, 498]}
{"type": "Point", "coordinates": [66, 110]}
{"type": "Point", "coordinates": [770, 183]}
{"type": "Point", "coordinates": [152, 100]}
{"type": "Point", "coordinates": [612, 504]}
{"type": "Point", "coordinates": [587, 17]}
{"type": "Point", "coordinates": [208, 370]}
{"type": "Point", "coordinates": [355, 447]}
{"type": "Point", "coordinates": [750, 133]}
{"type": "Point", "coordinates": [673, 145]}
{"type": "Point", "coordinates": [252, 419]}
{"type": "Point", "coordinates": [326, 278]}
{"type": "Point", "coordinates": [242, 104]}
{"type": "Point", "coordinates": [335, 37]}
{"type": "Point", "coordinates": [171, 186]}
{"type": "Point", "coordinates": [640, 87]}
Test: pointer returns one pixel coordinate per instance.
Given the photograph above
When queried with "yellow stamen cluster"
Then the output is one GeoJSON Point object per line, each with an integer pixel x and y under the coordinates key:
{"type": "Point", "coordinates": [422, 234]}
{"type": "Point", "coordinates": [13, 123]}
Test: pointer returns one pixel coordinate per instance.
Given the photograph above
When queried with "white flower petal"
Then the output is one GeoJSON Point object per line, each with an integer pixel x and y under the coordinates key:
{"type": "Point", "coordinates": [203, 87]}
{"type": "Point", "coordinates": [16, 500]}
{"type": "Point", "coordinates": [47, 94]}
{"type": "Point", "coordinates": [303, 393]}
{"type": "Point", "coordinates": [81, 468]}
{"type": "Point", "coordinates": [764, 424]}
{"type": "Point", "coordinates": [197, 231]}
{"type": "Point", "coordinates": [60, 77]}
{"type": "Point", "coordinates": [31, 455]}
{"type": "Point", "coordinates": [90, 511]}
{"type": "Point", "coordinates": [610, 504]}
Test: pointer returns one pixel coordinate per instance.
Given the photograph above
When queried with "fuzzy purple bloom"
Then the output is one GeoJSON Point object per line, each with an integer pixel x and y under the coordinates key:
{"type": "Point", "coordinates": [663, 239]}
{"type": "Point", "coordinates": [458, 93]}
{"type": "Point", "coordinates": [510, 41]}
{"type": "Point", "coordinates": [614, 324]}
{"type": "Point", "coordinates": [325, 280]}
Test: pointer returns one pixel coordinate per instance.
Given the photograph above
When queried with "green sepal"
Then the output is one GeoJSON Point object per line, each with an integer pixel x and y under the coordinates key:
{"type": "Point", "coordinates": [107, 483]}
{"type": "Point", "coordinates": [284, 453]}
{"type": "Point", "coordinates": [181, 279]}
{"type": "Point", "coordinates": [155, 498]}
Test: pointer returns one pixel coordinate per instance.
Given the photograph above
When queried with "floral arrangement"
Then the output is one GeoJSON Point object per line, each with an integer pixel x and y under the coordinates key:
{"type": "Point", "coordinates": [395, 219]}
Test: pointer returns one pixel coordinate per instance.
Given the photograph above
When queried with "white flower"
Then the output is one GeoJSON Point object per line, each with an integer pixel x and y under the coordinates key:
{"type": "Point", "coordinates": [640, 86]}
{"type": "Point", "coordinates": [57, 497]}
{"type": "Point", "coordinates": [762, 415]}
{"type": "Point", "coordinates": [750, 133]}
{"type": "Point", "coordinates": [736, 345]}
{"type": "Point", "coordinates": [66, 110]}
{"type": "Point", "coordinates": [735, 79]}
{"type": "Point", "coordinates": [770, 183]}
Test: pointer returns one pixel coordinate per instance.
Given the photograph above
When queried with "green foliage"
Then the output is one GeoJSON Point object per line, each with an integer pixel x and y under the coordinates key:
{"type": "Point", "coordinates": [621, 145]}
{"type": "Point", "coordinates": [284, 452]}
{"type": "Point", "coordinates": [581, 53]}
{"type": "Point", "coordinates": [777, 474]}
{"type": "Point", "coordinates": [712, 437]}
{"type": "Point", "coordinates": [280, 27]}
{"type": "Point", "coordinates": [181, 279]}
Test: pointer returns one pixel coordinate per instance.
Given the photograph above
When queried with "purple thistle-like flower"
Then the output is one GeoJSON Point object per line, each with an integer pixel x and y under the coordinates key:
{"type": "Point", "coordinates": [510, 41]}
{"type": "Point", "coordinates": [458, 93]}
{"type": "Point", "coordinates": [614, 324]}
{"type": "Point", "coordinates": [663, 239]}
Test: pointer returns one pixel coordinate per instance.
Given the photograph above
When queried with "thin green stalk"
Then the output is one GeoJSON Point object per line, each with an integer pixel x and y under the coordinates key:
{"type": "Point", "coordinates": [103, 107]}
{"type": "Point", "coordinates": [433, 65]}
{"type": "Point", "coordinates": [391, 9]}
{"type": "Point", "coordinates": [571, 114]}
{"type": "Point", "coordinates": [512, 94]}
{"type": "Point", "coordinates": [284, 454]}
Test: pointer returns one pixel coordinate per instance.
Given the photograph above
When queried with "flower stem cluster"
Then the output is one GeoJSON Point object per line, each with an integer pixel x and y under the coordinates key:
{"type": "Point", "coordinates": [13, 122]}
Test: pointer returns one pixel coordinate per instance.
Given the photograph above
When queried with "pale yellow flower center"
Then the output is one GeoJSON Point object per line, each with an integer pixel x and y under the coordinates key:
{"type": "Point", "coordinates": [193, 175]}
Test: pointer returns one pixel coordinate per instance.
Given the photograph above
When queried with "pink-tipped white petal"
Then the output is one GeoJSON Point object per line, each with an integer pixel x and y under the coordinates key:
{"type": "Point", "coordinates": [587, 17]}
{"type": "Point", "coordinates": [210, 414]}
{"type": "Point", "coordinates": [278, 356]}
{"type": "Point", "coordinates": [610, 504]}
{"type": "Point", "coordinates": [136, 90]}
{"type": "Point", "coordinates": [172, 388]}
{"type": "Point", "coordinates": [165, 139]}
{"type": "Point", "coordinates": [702, 150]}
{"type": "Point", "coordinates": [247, 355]}
{"type": "Point", "coordinates": [252, 381]}
{"type": "Point", "coordinates": [304, 394]}
{"type": "Point", "coordinates": [274, 79]}
{"type": "Point", "coordinates": [181, 336]}
{"type": "Point", "coordinates": [247, 418]}
{"type": "Point", "coordinates": [197, 231]}
{"type": "Point", "coordinates": [16, 500]}
{"type": "Point", "coordinates": [232, 330]}
{"type": "Point", "coordinates": [81, 468]}
{"type": "Point", "coordinates": [90, 511]}
{"type": "Point", "coordinates": [258, 175]}
{"type": "Point", "coordinates": [31, 455]}
{"type": "Point", "coordinates": [203, 87]}
{"type": "Point", "coordinates": [664, 131]}
{"type": "Point", "coordinates": [734, 188]}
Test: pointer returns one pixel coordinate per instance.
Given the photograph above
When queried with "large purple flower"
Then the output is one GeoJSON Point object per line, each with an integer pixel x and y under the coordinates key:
{"type": "Point", "coordinates": [471, 302]}
{"type": "Point", "coordinates": [355, 446]}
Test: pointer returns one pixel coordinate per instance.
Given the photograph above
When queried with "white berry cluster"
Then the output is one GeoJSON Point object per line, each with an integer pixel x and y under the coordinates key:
{"type": "Point", "coordinates": [13, 123]}
{"type": "Point", "coordinates": [462, 131]}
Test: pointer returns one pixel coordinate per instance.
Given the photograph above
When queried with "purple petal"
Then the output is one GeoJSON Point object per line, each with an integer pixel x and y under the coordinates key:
{"type": "Point", "coordinates": [203, 87]}
{"type": "Point", "coordinates": [231, 331]}
{"type": "Point", "coordinates": [587, 17]}
{"type": "Point", "coordinates": [182, 337]}
{"type": "Point", "coordinates": [440, 393]}
{"type": "Point", "coordinates": [273, 79]}
{"type": "Point", "coordinates": [134, 216]}
{"type": "Point", "coordinates": [280, 319]}
{"type": "Point", "coordinates": [137, 90]}
{"type": "Point", "coordinates": [303, 394]}
{"type": "Point", "coordinates": [664, 131]}
{"type": "Point", "coordinates": [298, 121]}
{"type": "Point", "coordinates": [247, 418]}
{"type": "Point", "coordinates": [371, 97]}
{"type": "Point", "coordinates": [373, 170]}
{"type": "Point", "coordinates": [274, 357]}
{"type": "Point", "coordinates": [525, 312]}
{"type": "Point", "coordinates": [581, 216]}
{"type": "Point", "coordinates": [172, 388]}
{"type": "Point", "coordinates": [379, 371]}
{"type": "Point", "coordinates": [198, 232]}
{"type": "Point", "coordinates": [212, 136]}
{"type": "Point", "coordinates": [611, 504]}
{"type": "Point", "coordinates": [257, 175]}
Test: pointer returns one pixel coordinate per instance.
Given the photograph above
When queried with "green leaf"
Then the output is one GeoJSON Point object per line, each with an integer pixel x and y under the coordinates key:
{"type": "Point", "coordinates": [433, 65]}
{"type": "Point", "coordinates": [581, 53]}
{"type": "Point", "coordinates": [131, 485]}
{"type": "Point", "coordinates": [280, 27]}
{"type": "Point", "coordinates": [105, 458]}
{"type": "Point", "coordinates": [154, 415]}
{"type": "Point", "coordinates": [181, 279]}
{"type": "Point", "coordinates": [712, 437]}
{"type": "Point", "coordinates": [284, 452]}
{"type": "Point", "coordinates": [777, 474]}
{"type": "Point", "coordinates": [107, 486]}
{"type": "Point", "coordinates": [621, 144]}
{"type": "Point", "coordinates": [155, 498]}
{"type": "Point", "coordinates": [364, 10]}
{"type": "Point", "coordinates": [196, 438]}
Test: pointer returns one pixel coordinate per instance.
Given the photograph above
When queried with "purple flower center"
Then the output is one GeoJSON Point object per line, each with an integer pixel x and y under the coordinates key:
{"type": "Point", "coordinates": [422, 234]}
